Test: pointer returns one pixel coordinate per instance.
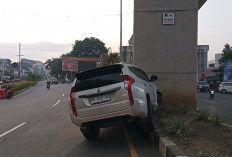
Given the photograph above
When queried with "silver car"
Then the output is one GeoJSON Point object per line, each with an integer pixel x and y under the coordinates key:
{"type": "Point", "coordinates": [111, 95]}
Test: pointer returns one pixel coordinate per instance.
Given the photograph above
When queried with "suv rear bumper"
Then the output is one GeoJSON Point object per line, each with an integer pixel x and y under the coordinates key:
{"type": "Point", "coordinates": [130, 113]}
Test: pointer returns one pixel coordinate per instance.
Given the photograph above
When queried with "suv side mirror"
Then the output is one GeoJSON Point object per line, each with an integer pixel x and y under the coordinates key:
{"type": "Point", "coordinates": [153, 78]}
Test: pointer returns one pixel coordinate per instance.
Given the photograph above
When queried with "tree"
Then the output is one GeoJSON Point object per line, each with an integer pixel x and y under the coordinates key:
{"type": "Point", "coordinates": [226, 55]}
{"type": "Point", "coordinates": [55, 66]}
{"type": "Point", "coordinates": [110, 59]}
{"type": "Point", "coordinates": [89, 47]}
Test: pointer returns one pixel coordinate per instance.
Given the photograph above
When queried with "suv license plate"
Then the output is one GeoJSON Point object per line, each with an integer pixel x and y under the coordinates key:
{"type": "Point", "coordinates": [100, 99]}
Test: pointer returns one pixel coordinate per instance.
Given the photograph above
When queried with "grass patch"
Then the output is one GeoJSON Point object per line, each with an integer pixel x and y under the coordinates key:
{"type": "Point", "coordinates": [202, 113]}
{"type": "Point", "coordinates": [203, 153]}
{"type": "Point", "coordinates": [216, 119]}
{"type": "Point", "coordinates": [177, 127]}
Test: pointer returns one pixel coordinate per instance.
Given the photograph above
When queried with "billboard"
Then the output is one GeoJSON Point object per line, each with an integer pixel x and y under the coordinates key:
{"type": "Point", "coordinates": [228, 70]}
{"type": "Point", "coordinates": [69, 65]}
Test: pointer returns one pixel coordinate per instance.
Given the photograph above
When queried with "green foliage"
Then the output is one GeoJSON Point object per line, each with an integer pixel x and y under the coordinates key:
{"type": "Point", "coordinates": [110, 59]}
{"type": "Point", "coordinates": [159, 112]}
{"type": "Point", "coordinates": [216, 119]}
{"type": "Point", "coordinates": [177, 127]}
{"type": "Point", "coordinates": [202, 113]}
{"type": "Point", "coordinates": [19, 85]}
{"type": "Point", "coordinates": [33, 77]}
{"type": "Point", "coordinates": [89, 47]}
{"type": "Point", "coordinates": [226, 55]}
{"type": "Point", "coordinates": [203, 153]}
{"type": "Point", "coordinates": [55, 66]}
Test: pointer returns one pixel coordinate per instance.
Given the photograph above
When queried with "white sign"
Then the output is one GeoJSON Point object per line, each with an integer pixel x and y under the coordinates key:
{"type": "Point", "coordinates": [168, 18]}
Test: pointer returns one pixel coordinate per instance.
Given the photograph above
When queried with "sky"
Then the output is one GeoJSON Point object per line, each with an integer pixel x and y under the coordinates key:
{"type": "Point", "coordinates": [48, 28]}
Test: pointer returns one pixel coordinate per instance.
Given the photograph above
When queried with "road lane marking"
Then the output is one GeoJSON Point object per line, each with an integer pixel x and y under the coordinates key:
{"type": "Point", "coordinates": [130, 143]}
{"type": "Point", "coordinates": [58, 101]}
{"type": "Point", "coordinates": [208, 101]}
{"type": "Point", "coordinates": [9, 131]}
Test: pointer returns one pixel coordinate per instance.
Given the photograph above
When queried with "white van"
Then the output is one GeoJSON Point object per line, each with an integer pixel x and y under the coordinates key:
{"type": "Point", "coordinates": [225, 87]}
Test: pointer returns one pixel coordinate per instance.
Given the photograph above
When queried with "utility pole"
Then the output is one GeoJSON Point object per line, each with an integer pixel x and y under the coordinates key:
{"type": "Point", "coordinates": [121, 56]}
{"type": "Point", "coordinates": [20, 62]}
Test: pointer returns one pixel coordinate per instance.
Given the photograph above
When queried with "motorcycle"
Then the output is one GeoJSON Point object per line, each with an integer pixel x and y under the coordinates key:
{"type": "Point", "coordinates": [211, 94]}
{"type": "Point", "coordinates": [48, 85]}
{"type": "Point", "coordinates": [8, 93]}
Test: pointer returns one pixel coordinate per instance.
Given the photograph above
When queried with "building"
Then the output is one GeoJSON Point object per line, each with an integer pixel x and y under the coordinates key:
{"type": "Point", "coordinates": [202, 58]}
{"type": "Point", "coordinates": [218, 56]}
{"type": "Point", "coordinates": [5, 66]}
{"type": "Point", "coordinates": [211, 64]}
{"type": "Point", "coordinates": [127, 52]}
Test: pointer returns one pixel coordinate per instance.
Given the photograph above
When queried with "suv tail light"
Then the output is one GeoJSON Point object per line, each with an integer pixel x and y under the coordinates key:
{"type": "Point", "coordinates": [128, 83]}
{"type": "Point", "coordinates": [72, 100]}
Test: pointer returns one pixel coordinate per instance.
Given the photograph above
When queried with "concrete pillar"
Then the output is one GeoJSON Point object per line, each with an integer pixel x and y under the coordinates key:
{"type": "Point", "coordinates": [169, 51]}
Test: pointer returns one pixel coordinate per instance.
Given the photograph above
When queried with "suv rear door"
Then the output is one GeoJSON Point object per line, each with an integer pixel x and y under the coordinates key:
{"type": "Point", "coordinates": [101, 90]}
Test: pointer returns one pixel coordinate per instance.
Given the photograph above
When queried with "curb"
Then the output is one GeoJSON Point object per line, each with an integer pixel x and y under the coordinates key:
{"type": "Point", "coordinates": [166, 147]}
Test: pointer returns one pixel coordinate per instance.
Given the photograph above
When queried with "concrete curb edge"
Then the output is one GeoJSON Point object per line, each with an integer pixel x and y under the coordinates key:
{"type": "Point", "coordinates": [166, 147]}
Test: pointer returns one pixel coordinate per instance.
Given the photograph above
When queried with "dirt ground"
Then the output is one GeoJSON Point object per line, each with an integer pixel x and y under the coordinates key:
{"type": "Point", "coordinates": [203, 135]}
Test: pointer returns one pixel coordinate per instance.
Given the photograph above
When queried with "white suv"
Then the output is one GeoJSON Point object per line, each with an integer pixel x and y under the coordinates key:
{"type": "Point", "coordinates": [111, 95]}
{"type": "Point", "coordinates": [225, 87]}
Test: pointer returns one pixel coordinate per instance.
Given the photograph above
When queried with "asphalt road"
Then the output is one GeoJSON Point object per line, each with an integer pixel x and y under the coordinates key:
{"type": "Point", "coordinates": [37, 124]}
{"type": "Point", "coordinates": [221, 104]}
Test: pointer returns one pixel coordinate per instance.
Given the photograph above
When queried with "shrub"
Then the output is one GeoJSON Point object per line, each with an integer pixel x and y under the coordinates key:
{"type": "Point", "coordinates": [202, 113]}
{"type": "Point", "coordinates": [177, 127]}
{"type": "Point", "coordinates": [216, 119]}
{"type": "Point", "coordinates": [19, 85]}
{"type": "Point", "coordinates": [159, 112]}
{"type": "Point", "coordinates": [33, 77]}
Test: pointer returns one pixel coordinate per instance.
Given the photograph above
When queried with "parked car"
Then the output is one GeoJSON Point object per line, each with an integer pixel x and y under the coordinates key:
{"type": "Point", "coordinates": [225, 87]}
{"type": "Point", "coordinates": [54, 81]}
{"type": "Point", "coordinates": [202, 86]}
{"type": "Point", "coordinates": [111, 95]}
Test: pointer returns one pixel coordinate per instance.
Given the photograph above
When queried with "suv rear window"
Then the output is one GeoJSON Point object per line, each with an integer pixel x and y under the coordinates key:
{"type": "Point", "coordinates": [99, 77]}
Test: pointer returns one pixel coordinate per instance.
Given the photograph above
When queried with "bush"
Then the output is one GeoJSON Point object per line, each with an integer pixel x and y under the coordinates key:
{"type": "Point", "coordinates": [216, 119]}
{"type": "Point", "coordinates": [33, 77]}
{"type": "Point", "coordinates": [202, 113]}
{"type": "Point", "coordinates": [19, 85]}
{"type": "Point", "coordinates": [177, 127]}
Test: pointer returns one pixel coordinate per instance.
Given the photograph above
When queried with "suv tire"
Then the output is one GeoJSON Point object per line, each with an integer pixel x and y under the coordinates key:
{"type": "Point", "coordinates": [90, 132]}
{"type": "Point", "coordinates": [224, 91]}
{"type": "Point", "coordinates": [151, 116]}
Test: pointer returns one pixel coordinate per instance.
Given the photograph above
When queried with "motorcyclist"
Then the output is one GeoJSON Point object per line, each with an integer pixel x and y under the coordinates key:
{"type": "Point", "coordinates": [48, 83]}
{"type": "Point", "coordinates": [8, 92]}
{"type": "Point", "coordinates": [211, 86]}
